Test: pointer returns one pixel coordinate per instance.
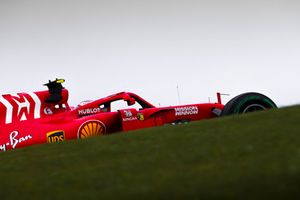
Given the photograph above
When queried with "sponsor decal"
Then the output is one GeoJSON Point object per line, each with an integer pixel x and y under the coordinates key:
{"type": "Point", "coordinates": [129, 116]}
{"type": "Point", "coordinates": [48, 111]}
{"type": "Point", "coordinates": [89, 111]}
{"type": "Point", "coordinates": [14, 140]}
{"type": "Point", "coordinates": [187, 110]}
{"type": "Point", "coordinates": [140, 116]}
{"type": "Point", "coordinates": [129, 119]}
{"type": "Point", "coordinates": [56, 136]}
{"type": "Point", "coordinates": [128, 113]}
{"type": "Point", "coordinates": [91, 128]}
{"type": "Point", "coordinates": [21, 106]}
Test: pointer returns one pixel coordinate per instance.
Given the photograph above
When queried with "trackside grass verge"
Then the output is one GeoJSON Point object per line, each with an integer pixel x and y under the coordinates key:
{"type": "Point", "coordinates": [254, 156]}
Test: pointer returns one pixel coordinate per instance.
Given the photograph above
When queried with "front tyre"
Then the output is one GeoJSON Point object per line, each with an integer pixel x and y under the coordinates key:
{"type": "Point", "coordinates": [248, 102]}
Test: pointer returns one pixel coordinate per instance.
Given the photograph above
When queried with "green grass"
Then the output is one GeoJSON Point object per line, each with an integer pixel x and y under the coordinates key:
{"type": "Point", "coordinates": [254, 156]}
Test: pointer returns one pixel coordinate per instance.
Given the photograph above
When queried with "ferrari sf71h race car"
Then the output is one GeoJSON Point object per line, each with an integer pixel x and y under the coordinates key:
{"type": "Point", "coordinates": [45, 116]}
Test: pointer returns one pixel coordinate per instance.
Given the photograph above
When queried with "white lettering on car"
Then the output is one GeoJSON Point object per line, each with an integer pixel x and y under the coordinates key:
{"type": "Point", "coordinates": [129, 119]}
{"type": "Point", "coordinates": [14, 140]}
{"type": "Point", "coordinates": [187, 110]}
{"type": "Point", "coordinates": [89, 111]}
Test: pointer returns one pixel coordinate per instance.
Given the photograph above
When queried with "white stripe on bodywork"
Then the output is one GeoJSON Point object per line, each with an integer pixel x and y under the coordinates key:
{"type": "Point", "coordinates": [9, 107]}
{"type": "Point", "coordinates": [9, 110]}
{"type": "Point", "coordinates": [37, 108]}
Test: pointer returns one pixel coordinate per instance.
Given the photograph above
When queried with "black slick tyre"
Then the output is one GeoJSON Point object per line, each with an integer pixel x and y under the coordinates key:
{"type": "Point", "coordinates": [248, 102]}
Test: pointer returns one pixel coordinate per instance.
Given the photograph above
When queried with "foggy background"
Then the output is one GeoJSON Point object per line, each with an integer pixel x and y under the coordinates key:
{"type": "Point", "coordinates": [151, 47]}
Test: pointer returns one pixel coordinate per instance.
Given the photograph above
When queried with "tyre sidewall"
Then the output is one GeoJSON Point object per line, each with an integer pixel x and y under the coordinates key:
{"type": "Point", "coordinates": [240, 103]}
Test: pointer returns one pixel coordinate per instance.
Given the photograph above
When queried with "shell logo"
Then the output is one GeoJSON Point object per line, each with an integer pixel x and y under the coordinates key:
{"type": "Point", "coordinates": [91, 128]}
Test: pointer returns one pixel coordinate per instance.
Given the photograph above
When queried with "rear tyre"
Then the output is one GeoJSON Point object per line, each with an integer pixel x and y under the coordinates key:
{"type": "Point", "coordinates": [248, 102]}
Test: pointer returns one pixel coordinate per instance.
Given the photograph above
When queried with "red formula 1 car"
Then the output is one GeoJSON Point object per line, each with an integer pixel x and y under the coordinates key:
{"type": "Point", "coordinates": [46, 117]}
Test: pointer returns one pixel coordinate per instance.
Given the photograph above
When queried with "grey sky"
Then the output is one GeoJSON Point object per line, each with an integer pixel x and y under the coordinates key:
{"type": "Point", "coordinates": [150, 47]}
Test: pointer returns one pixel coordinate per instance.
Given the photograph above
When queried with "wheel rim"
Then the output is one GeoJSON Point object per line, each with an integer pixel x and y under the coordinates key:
{"type": "Point", "coordinates": [254, 107]}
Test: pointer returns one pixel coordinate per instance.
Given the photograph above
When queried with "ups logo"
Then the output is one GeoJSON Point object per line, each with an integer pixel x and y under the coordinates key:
{"type": "Point", "coordinates": [55, 136]}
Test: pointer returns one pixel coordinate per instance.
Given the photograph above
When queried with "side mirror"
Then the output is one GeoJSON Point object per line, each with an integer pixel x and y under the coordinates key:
{"type": "Point", "coordinates": [130, 101]}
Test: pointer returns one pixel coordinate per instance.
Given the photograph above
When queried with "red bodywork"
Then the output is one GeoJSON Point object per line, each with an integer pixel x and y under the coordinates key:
{"type": "Point", "coordinates": [26, 118]}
